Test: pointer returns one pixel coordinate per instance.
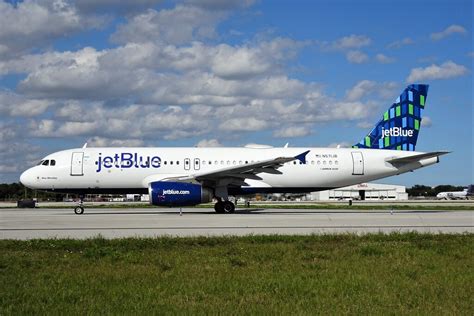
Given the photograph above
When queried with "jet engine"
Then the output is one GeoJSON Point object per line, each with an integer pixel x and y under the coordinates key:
{"type": "Point", "coordinates": [163, 193]}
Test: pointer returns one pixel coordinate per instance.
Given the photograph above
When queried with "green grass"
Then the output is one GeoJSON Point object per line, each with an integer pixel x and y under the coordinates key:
{"type": "Point", "coordinates": [337, 274]}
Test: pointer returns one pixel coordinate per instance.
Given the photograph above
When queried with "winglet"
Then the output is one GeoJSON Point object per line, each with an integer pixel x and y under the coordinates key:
{"type": "Point", "coordinates": [302, 157]}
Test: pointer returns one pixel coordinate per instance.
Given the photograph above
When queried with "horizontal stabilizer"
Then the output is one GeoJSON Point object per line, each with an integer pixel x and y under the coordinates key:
{"type": "Point", "coordinates": [415, 158]}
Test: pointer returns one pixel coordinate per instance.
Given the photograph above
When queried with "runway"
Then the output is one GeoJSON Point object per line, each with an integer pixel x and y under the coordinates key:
{"type": "Point", "coordinates": [116, 223]}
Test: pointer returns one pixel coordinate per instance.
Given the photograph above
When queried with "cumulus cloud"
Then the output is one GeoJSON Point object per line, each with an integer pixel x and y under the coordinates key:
{"type": "Point", "coordinates": [365, 88]}
{"type": "Point", "coordinates": [209, 143]}
{"type": "Point", "coordinates": [108, 142]}
{"type": "Point", "coordinates": [34, 24]}
{"type": "Point", "coordinates": [446, 70]}
{"type": "Point", "coordinates": [348, 42]}
{"type": "Point", "coordinates": [119, 6]}
{"type": "Point", "coordinates": [178, 25]}
{"type": "Point", "coordinates": [400, 43]}
{"type": "Point", "coordinates": [450, 30]}
{"type": "Point", "coordinates": [12, 104]}
{"type": "Point", "coordinates": [163, 82]}
{"type": "Point", "coordinates": [293, 131]}
{"type": "Point", "coordinates": [384, 59]}
{"type": "Point", "coordinates": [356, 57]}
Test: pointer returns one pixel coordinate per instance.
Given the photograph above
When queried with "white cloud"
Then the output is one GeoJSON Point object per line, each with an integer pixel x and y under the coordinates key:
{"type": "Point", "coordinates": [400, 43]}
{"type": "Point", "coordinates": [426, 121]}
{"type": "Point", "coordinates": [360, 89]}
{"type": "Point", "coordinates": [293, 131]}
{"type": "Point", "coordinates": [348, 42]}
{"type": "Point", "coordinates": [13, 104]}
{"type": "Point", "coordinates": [364, 88]}
{"type": "Point", "coordinates": [450, 30]}
{"type": "Point", "coordinates": [446, 70]}
{"type": "Point", "coordinates": [178, 25]}
{"type": "Point", "coordinates": [209, 143]}
{"type": "Point", "coordinates": [243, 124]}
{"type": "Point", "coordinates": [34, 24]}
{"type": "Point", "coordinates": [119, 6]}
{"type": "Point", "coordinates": [365, 125]}
{"type": "Point", "coordinates": [383, 59]}
{"type": "Point", "coordinates": [110, 142]}
{"type": "Point", "coordinates": [356, 57]}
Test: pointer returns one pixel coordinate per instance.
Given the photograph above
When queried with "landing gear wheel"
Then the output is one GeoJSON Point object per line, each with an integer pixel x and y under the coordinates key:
{"type": "Point", "coordinates": [219, 207]}
{"type": "Point", "coordinates": [229, 207]}
{"type": "Point", "coordinates": [78, 210]}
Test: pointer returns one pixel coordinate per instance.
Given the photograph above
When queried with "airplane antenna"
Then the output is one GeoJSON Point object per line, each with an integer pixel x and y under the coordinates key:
{"type": "Point", "coordinates": [85, 145]}
{"type": "Point", "coordinates": [286, 145]}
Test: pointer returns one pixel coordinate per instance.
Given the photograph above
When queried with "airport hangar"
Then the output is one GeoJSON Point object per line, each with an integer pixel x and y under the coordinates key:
{"type": "Point", "coordinates": [362, 191]}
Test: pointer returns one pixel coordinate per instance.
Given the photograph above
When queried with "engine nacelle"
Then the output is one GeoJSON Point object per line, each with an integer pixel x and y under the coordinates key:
{"type": "Point", "coordinates": [163, 193]}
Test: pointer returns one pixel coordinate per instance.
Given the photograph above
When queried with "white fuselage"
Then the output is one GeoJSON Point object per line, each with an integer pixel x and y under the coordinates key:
{"type": "Point", "coordinates": [101, 170]}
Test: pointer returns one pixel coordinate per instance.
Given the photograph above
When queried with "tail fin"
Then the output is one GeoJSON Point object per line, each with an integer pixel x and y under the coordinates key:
{"type": "Point", "coordinates": [399, 127]}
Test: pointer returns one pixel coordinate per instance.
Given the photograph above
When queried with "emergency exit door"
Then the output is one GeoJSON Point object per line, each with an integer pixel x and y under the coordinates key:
{"type": "Point", "coordinates": [77, 168]}
{"type": "Point", "coordinates": [357, 163]}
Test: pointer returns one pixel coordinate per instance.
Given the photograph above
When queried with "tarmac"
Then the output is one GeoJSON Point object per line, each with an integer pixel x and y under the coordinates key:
{"type": "Point", "coordinates": [146, 222]}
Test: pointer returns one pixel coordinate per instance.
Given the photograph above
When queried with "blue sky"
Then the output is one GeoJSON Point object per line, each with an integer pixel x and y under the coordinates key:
{"type": "Point", "coordinates": [229, 73]}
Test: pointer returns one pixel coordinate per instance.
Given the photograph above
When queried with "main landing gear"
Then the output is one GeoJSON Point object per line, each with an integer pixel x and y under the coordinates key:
{"type": "Point", "coordinates": [80, 208]}
{"type": "Point", "coordinates": [224, 207]}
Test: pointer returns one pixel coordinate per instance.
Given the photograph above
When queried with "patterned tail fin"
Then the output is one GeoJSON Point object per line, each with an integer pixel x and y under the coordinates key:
{"type": "Point", "coordinates": [399, 127]}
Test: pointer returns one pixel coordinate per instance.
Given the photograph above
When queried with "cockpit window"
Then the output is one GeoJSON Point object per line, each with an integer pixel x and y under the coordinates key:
{"type": "Point", "coordinates": [40, 163]}
{"type": "Point", "coordinates": [46, 163]}
{"type": "Point", "coordinates": [52, 162]}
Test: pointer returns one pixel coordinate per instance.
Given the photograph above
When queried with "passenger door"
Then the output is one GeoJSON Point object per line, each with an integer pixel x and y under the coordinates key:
{"type": "Point", "coordinates": [357, 163]}
{"type": "Point", "coordinates": [77, 167]}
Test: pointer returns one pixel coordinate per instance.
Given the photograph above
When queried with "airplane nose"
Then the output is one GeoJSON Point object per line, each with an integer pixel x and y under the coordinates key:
{"type": "Point", "coordinates": [25, 178]}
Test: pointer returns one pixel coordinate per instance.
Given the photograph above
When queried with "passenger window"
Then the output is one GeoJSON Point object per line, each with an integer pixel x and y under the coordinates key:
{"type": "Point", "coordinates": [210, 162]}
{"type": "Point", "coordinates": [53, 163]}
{"type": "Point", "coordinates": [177, 162]}
{"type": "Point", "coordinates": [246, 161]}
{"type": "Point", "coordinates": [46, 163]}
{"type": "Point", "coordinates": [165, 162]}
{"type": "Point", "coordinates": [171, 162]}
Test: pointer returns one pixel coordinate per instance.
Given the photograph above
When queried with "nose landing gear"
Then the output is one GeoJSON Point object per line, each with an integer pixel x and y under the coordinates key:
{"type": "Point", "coordinates": [80, 208]}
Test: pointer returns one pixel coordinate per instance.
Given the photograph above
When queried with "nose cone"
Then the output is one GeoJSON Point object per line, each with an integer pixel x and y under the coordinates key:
{"type": "Point", "coordinates": [26, 178]}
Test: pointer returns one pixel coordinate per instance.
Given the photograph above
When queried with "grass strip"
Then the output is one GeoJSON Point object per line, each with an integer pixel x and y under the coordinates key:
{"type": "Point", "coordinates": [341, 274]}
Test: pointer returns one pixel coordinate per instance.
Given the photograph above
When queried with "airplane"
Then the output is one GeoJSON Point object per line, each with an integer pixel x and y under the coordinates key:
{"type": "Point", "coordinates": [457, 195]}
{"type": "Point", "coordinates": [177, 177]}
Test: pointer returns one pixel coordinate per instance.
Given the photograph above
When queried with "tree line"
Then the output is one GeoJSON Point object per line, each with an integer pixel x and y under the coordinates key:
{"type": "Point", "coordinates": [17, 191]}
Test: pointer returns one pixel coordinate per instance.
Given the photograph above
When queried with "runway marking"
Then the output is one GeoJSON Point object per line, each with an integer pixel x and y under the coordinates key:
{"type": "Point", "coordinates": [239, 227]}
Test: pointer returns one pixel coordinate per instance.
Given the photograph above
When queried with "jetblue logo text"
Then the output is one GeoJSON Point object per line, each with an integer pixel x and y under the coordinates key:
{"type": "Point", "coordinates": [396, 131]}
{"type": "Point", "coordinates": [127, 160]}
{"type": "Point", "coordinates": [174, 192]}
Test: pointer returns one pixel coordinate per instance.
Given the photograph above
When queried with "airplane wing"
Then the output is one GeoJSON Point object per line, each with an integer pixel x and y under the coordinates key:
{"type": "Point", "coordinates": [415, 158]}
{"type": "Point", "coordinates": [236, 175]}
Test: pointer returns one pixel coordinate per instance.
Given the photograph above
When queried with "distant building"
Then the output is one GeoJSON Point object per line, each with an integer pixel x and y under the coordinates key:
{"type": "Point", "coordinates": [363, 191]}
